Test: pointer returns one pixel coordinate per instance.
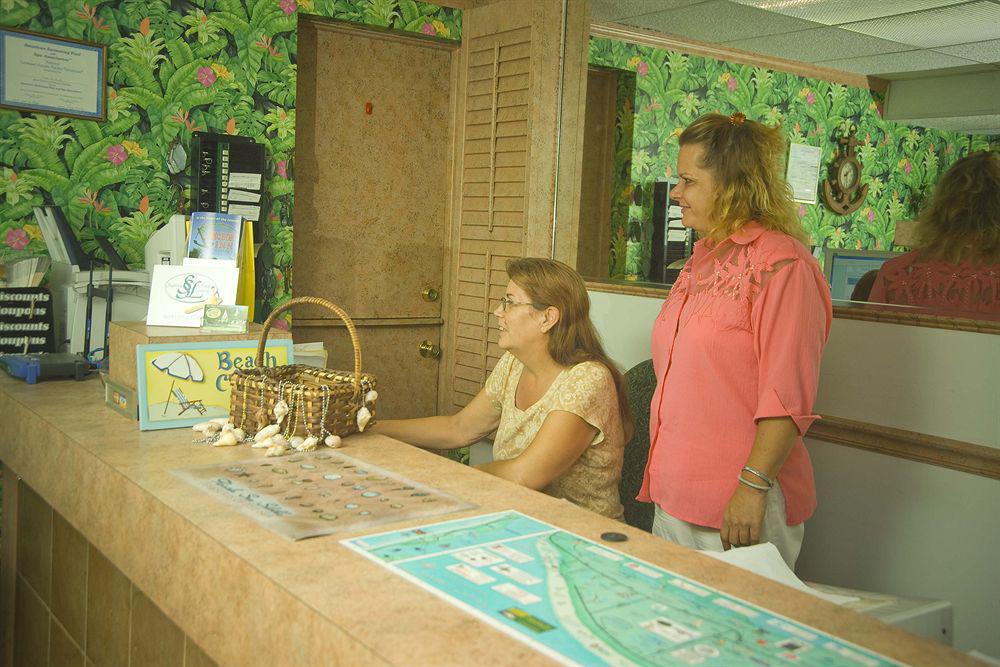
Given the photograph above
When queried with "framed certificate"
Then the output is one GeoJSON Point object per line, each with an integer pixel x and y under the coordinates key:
{"type": "Point", "coordinates": [56, 75]}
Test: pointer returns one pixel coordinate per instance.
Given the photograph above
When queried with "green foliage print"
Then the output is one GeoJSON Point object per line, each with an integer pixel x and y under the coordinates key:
{"type": "Point", "coordinates": [901, 163]}
{"type": "Point", "coordinates": [174, 67]}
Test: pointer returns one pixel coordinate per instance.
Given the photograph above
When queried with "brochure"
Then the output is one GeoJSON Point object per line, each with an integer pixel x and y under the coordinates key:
{"type": "Point", "coordinates": [214, 235]}
{"type": "Point", "coordinates": [178, 294]}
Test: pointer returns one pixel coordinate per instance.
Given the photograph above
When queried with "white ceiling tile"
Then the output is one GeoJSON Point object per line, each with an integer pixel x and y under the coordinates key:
{"type": "Point", "coordinates": [957, 24]}
{"type": "Point", "coordinates": [981, 52]}
{"type": "Point", "coordinates": [989, 124]}
{"type": "Point", "coordinates": [834, 12]}
{"type": "Point", "coordinates": [810, 46]}
{"type": "Point", "coordinates": [615, 10]}
{"type": "Point", "coordinates": [720, 21]}
{"type": "Point", "coordinates": [904, 61]}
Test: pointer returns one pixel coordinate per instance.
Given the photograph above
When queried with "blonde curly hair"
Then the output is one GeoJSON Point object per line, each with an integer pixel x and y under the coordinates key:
{"type": "Point", "coordinates": [746, 159]}
{"type": "Point", "coordinates": [962, 220]}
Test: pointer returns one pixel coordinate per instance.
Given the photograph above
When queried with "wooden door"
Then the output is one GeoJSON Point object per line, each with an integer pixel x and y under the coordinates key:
{"type": "Point", "coordinates": [372, 168]}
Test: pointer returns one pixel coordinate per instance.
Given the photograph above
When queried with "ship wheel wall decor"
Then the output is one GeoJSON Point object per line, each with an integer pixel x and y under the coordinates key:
{"type": "Point", "coordinates": [842, 189]}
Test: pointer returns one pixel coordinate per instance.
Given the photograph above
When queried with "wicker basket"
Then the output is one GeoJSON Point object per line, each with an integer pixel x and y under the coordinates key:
{"type": "Point", "coordinates": [320, 401]}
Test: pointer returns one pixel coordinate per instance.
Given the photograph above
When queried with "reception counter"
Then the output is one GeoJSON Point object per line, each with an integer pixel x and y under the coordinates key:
{"type": "Point", "coordinates": [199, 582]}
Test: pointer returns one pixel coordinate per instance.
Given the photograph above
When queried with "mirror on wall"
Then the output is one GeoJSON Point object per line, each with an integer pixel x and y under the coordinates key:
{"type": "Point", "coordinates": [639, 99]}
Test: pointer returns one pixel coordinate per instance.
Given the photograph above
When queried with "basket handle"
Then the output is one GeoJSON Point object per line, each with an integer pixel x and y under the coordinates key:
{"type": "Point", "coordinates": [317, 301]}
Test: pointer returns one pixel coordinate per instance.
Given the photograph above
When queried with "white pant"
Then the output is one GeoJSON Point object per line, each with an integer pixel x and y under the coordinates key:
{"type": "Point", "coordinates": [788, 539]}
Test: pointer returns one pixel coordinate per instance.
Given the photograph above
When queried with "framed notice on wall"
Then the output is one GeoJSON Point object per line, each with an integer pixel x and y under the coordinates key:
{"type": "Point", "coordinates": [56, 75]}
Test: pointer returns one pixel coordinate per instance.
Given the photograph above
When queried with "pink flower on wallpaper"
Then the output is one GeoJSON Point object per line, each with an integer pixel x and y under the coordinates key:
{"type": "Point", "coordinates": [428, 29]}
{"type": "Point", "coordinates": [802, 210]}
{"type": "Point", "coordinates": [642, 69]}
{"type": "Point", "coordinates": [206, 76]}
{"type": "Point", "coordinates": [732, 83]}
{"type": "Point", "coordinates": [907, 167]}
{"type": "Point", "coordinates": [288, 6]}
{"type": "Point", "coordinates": [17, 239]}
{"type": "Point", "coordinates": [283, 168]}
{"type": "Point", "coordinates": [117, 154]}
{"type": "Point", "coordinates": [811, 97]}
{"type": "Point", "coordinates": [871, 216]}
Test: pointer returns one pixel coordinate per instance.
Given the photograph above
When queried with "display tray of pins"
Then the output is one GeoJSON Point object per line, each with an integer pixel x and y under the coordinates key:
{"type": "Point", "coordinates": [295, 407]}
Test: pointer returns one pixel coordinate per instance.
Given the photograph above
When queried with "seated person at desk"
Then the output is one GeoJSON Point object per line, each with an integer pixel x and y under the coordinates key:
{"type": "Point", "coordinates": [955, 267]}
{"type": "Point", "coordinates": [555, 400]}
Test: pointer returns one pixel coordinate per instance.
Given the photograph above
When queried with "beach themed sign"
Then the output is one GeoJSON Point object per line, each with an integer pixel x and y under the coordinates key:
{"type": "Point", "coordinates": [182, 384]}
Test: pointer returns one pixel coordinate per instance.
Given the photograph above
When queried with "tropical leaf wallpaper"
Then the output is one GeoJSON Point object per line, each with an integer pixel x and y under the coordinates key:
{"type": "Point", "coordinates": [174, 67]}
{"type": "Point", "coordinates": [664, 90]}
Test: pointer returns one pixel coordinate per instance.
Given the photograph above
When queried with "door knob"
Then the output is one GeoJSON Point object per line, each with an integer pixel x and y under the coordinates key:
{"type": "Point", "coordinates": [430, 294]}
{"type": "Point", "coordinates": [429, 350]}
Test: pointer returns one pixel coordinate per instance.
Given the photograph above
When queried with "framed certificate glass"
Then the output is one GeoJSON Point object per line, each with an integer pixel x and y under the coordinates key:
{"type": "Point", "coordinates": [56, 75]}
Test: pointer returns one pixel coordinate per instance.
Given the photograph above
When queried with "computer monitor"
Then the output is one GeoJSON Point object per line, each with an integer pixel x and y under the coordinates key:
{"type": "Point", "coordinates": [844, 268]}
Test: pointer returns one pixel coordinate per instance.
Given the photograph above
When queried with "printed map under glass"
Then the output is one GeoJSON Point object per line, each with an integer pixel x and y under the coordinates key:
{"type": "Point", "coordinates": [583, 603]}
{"type": "Point", "coordinates": [318, 493]}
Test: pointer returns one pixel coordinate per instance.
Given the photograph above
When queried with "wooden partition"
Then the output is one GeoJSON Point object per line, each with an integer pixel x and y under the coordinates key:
{"type": "Point", "coordinates": [510, 153]}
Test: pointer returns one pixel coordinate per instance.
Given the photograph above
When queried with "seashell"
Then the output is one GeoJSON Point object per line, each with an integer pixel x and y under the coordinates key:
{"type": "Point", "coordinates": [364, 416]}
{"type": "Point", "coordinates": [207, 427]}
{"type": "Point", "coordinates": [239, 434]}
{"type": "Point", "coordinates": [296, 441]}
{"type": "Point", "coordinates": [257, 444]}
{"type": "Point", "coordinates": [228, 426]}
{"type": "Point", "coordinates": [276, 450]}
{"type": "Point", "coordinates": [266, 432]}
{"type": "Point", "coordinates": [226, 440]}
{"type": "Point", "coordinates": [333, 441]}
{"type": "Point", "coordinates": [308, 445]}
{"type": "Point", "coordinates": [278, 439]}
{"type": "Point", "coordinates": [221, 421]}
{"type": "Point", "coordinates": [371, 396]}
{"type": "Point", "coordinates": [280, 410]}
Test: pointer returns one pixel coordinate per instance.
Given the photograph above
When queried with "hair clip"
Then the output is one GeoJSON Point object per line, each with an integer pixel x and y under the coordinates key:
{"type": "Point", "coordinates": [737, 118]}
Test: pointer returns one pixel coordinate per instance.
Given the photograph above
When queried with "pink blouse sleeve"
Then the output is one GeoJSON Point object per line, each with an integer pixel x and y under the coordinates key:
{"type": "Point", "coordinates": [791, 320]}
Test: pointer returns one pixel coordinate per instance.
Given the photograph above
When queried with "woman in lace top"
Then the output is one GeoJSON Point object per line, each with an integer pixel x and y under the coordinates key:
{"type": "Point", "coordinates": [736, 350]}
{"type": "Point", "coordinates": [554, 398]}
{"type": "Point", "coordinates": [955, 267]}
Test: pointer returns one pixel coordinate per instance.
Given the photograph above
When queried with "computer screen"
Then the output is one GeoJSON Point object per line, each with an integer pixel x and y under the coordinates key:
{"type": "Point", "coordinates": [844, 268]}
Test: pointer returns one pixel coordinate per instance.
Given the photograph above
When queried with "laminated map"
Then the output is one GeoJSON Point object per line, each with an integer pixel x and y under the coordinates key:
{"type": "Point", "coordinates": [583, 603]}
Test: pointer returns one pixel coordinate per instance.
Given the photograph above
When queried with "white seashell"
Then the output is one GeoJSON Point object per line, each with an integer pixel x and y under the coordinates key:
{"type": "Point", "coordinates": [266, 442]}
{"type": "Point", "coordinates": [226, 440]}
{"type": "Point", "coordinates": [296, 441]}
{"type": "Point", "coordinates": [364, 416]}
{"type": "Point", "coordinates": [280, 410]}
{"type": "Point", "coordinates": [266, 432]}
{"type": "Point", "coordinates": [371, 396]}
{"type": "Point", "coordinates": [279, 439]}
{"type": "Point", "coordinates": [308, 445]}
{"type": "Point", "coordinates": [239, 434]}
{"type": "Point", "coordinates": [228, 426]}
{"type": "Point", "coordinates": [220, 420]}
{"type": "Point", "coordinates": [207, 427]}
{"type": "Point", "coordinates": [276, 450]}
{"type": "Point", "coordinates": [333, 441]}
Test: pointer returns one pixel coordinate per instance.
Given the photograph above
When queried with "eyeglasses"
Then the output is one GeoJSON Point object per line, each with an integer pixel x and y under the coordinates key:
{"type": "Point", "coordinates": [506, 303]}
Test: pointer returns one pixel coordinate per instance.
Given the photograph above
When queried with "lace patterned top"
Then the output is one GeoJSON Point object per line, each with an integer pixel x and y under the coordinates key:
{"type": "Point", "coordinates": [586, 390]}
{"type": "Point", "coordinates": [965, 288]}
{"type": "Point", "coordinates": [739, 338]}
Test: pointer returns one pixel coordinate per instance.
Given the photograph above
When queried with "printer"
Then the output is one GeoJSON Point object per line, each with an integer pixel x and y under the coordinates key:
{"type": "Point", "coordinates": [71, 274]}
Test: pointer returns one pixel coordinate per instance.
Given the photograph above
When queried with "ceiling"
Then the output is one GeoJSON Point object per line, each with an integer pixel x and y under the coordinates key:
{"type": "Point", "coordinates": [941, 57]}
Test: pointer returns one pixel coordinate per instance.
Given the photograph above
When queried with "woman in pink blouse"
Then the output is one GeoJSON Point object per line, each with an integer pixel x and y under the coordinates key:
{"type": "Point", "coordinates": [955, 268]}
{"type": "Point", "coordinates": [736, 350]}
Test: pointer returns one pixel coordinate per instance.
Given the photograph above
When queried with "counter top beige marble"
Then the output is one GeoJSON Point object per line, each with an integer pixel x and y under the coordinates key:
{"type": "Point", "coordinates": [249, 596]}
